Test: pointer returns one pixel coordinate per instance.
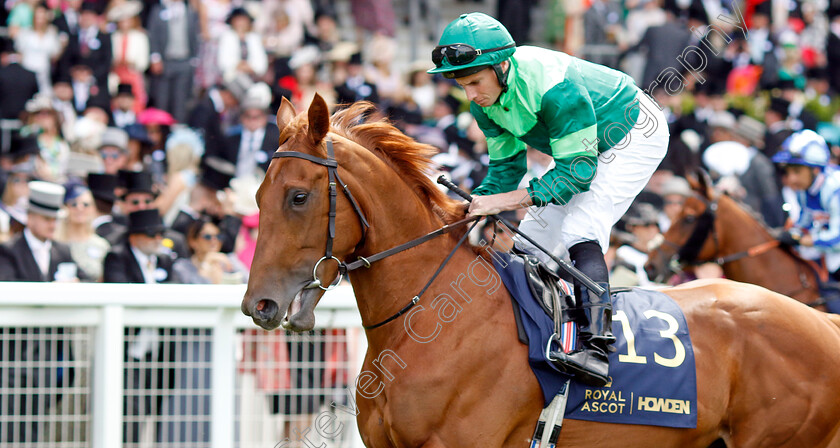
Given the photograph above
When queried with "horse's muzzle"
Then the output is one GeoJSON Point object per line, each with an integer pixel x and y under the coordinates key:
{"type": "Point", "coordinates": [265, 313]}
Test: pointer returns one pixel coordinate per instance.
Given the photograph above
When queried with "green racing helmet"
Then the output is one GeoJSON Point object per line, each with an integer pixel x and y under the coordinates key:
{"type": "Point", "coordinates": [471, 43]}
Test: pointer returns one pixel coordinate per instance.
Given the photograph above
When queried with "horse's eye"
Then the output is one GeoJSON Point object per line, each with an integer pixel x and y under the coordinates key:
{"type": "Point", "coordinates": [299, 198]}
{"type": "Point", "coordinates": [689, 219]}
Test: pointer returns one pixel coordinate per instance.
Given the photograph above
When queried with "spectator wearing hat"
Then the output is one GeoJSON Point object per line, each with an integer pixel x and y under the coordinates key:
{"type": "Point", "coordinates": [92, 46]}
{"type": "Point", "coordinates": [832, 47]}
{"type": "Point", "coordinates": [40, 45]}
{"type": "Point", "coordinates": [241, 51]}
{"type": "Point", "coordinates": [34, 256]}
{"type": "Point", "coordinates": [356, 86]}
{"type": "Point", "coordinates": [776, 118]}
{"type": "Point", "coordinates": [19, 166]}
{"type": "Point", "coordinates": [139, 193]}
{"type": "Point", "coordinates": [641, 222]}
{"type": "Point", "coordinates": [303, 83]}
{"type": "Point", "coordinates": [139, 258]}
{"type": "Point", "coordinates": [114, 150]}
{"type": "Point", "coordinates": [251, 148]}
{"type": "Point", "coordinates": [174, 34]}
{"type": "Point", "coordinates": [207, 116]}
{"type": "Point", "coordinates": [125, 107]}
{"type": "Point", "coordinates": [130, 45]}
{"type": "Point", "coordinates": [674, 192]}
{"type": "Point", "coordinates": [284, 25]}
{"type": "Point", "coordinates": [87, 92]}
{"type": "Point", "coordinates": [62, 99]}
{"type": "Point", "coordinates": [67, 23]}
{"type": "Point", "coordinates": [102, 188]}
{"type": "Point", "coordinates": [204, 201]}
{"type": "Point", "coordinates": [54, 151]}
{"type": "Point", "coordinates": [17, 84]}
{"type": "Point", "coordinates": [184, 150]}
{"type": "Point", "coordinates": [86, 247]}
{"type": "Point", "coordinates": [818, 96]}
{"type": "Point", "coordinates": [208, 263]}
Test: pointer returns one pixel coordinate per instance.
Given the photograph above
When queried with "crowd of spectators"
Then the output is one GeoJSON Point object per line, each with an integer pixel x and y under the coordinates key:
{"type": "Point", "coordinates": [133, 134]}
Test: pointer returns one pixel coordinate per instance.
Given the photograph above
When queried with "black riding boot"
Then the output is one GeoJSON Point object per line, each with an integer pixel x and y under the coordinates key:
{"type": "Point", "coordinates": [593, 314]}
{"type": "Point", "coordinates": [589, 364]}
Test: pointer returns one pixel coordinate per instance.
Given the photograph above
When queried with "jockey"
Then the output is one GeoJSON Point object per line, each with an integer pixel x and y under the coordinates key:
{"type": "Point", "coordinates": [805, 159]}
{"type": "Point", "coordinates": [606, 138]}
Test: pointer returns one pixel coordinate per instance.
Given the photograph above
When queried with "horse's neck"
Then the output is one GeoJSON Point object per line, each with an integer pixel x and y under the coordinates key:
{"type": "Point", "coordinates": [738, 231]}
{"type": "Point", "coordinates": [390, 284]}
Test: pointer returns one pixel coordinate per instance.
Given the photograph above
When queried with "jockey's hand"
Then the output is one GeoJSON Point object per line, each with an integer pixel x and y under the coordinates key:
{"type": "Point", "coordinates": [788, 239]}
{"type": "Point", "coordinates": [497, 203]}
{"type": "Point", "coordinates": [806, 240]}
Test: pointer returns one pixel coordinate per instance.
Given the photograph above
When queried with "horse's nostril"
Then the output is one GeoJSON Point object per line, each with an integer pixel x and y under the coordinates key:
{"type": "Point", "coordinates": [266, 309]}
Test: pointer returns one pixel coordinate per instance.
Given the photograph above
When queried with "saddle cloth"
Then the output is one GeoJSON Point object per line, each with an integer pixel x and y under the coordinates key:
{"type": "Point", "coordinates": [652, 366]}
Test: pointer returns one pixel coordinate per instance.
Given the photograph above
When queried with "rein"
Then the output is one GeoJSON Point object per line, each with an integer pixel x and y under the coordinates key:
{"type": "Point", "coordinates": [332, 168]}
{"type": "Point", "coordinates": [687, 253]}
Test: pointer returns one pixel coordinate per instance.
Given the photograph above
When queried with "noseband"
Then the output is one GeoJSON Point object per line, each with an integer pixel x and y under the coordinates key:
{"type": "Point", "coordinates": [332, 170]}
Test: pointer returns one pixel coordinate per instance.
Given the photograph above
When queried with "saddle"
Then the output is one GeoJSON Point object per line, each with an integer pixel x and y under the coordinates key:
{"type": "Point", "coordinates": [545, 286]}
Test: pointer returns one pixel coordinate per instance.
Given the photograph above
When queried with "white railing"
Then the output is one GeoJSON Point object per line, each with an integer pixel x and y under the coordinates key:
{"type": "Point", "coordinates": [108, 309]}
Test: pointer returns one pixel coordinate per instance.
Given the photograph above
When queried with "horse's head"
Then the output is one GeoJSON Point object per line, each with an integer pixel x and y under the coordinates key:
{"type": "Point", "coordinates": [293, 257]}
{"type": "Point", "coordinates": [688, 238]}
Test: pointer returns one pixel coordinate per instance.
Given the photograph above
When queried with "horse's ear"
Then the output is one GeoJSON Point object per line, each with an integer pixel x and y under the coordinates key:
{"type": "Point", "coordinates": [285, 114]}
{"type": "Point", "coordinates": [704, 184]}
{"type": "Point", "coordinates": [319, 119]}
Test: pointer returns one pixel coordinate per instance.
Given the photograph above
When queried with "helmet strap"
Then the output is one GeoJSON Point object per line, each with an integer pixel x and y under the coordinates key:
{"type": "Point", "coordinates": [501, 76]}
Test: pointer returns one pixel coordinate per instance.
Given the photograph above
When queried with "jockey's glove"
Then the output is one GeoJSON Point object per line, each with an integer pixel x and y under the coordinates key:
{"type": "Point", "coordinates": [789, 239]}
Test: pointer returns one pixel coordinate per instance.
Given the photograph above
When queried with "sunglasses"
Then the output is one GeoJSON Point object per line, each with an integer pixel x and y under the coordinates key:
{"type": "Point", "coordinates": [111, 155]}
{"type": "Point", "coordinates": [209, 236]}
{"type": "Point", "coordinates": [140, 201]}
{"type": "Point", "coordinates": [460, 54]}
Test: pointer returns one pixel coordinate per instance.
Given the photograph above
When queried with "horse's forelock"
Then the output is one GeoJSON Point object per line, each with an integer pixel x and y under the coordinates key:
{"type": "Point", "coordinates": [412, 160]}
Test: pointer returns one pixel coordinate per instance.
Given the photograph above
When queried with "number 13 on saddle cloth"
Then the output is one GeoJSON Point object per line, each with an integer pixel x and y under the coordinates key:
{"type": "Point", "coordinates": [652, 370]}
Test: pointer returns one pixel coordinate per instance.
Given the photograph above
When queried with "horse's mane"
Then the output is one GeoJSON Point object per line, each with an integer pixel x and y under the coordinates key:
{"type": "Point", "coordinates": [412, 160]}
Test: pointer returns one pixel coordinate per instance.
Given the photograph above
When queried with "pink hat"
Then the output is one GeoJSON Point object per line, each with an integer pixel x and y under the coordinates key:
{"type": "Point", "coordinates": [251, 221]}
{"type": "Point", "coordinates": [155, 116]}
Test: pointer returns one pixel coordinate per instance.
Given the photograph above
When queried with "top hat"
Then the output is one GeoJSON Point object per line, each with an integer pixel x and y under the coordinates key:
{"type": "Point", "coordinates": [238, 12]}
{"type": "Point", "coordinates": [6, 45]}
{"type": "Point", "coordinates": [136, 182]}
{"type": "Point", "coordinates": [217, 173]}
{"type": "Point", "coordinates": [124, 89]}
{"type": "Point", "coordinates": [45, 198]}
{"type": "Point", "coordinates": [147, 222]}
{"type": "Point", "coordinates": [102, 186]}
{"type": "Point", "coordinates": [23, 145]}
{"type": "Point", "coordinates": [90, 7]}
{"type": "Point", "coordinates": [780, 106]}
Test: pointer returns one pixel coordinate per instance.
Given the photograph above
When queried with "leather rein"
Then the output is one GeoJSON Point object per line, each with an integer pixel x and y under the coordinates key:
{"type": "Point", "coordinates": [334, 180]}
{"type": "Point", "coordinates": [705, 226]}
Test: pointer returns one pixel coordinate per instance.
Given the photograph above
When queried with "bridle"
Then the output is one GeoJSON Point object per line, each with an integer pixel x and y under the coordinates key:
{"type": "Point", "coordinates": [687, 254]}
{"type": "Point", "coordinates": [334, 179]}
{"type": "Point", "coordinates": [332, 170]}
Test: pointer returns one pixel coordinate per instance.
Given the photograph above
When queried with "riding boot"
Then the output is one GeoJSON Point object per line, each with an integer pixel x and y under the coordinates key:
{"type": "Point", "coordinates": [589, 364]}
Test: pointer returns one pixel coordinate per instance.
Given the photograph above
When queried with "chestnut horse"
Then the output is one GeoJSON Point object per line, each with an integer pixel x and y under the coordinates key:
{"type": "Point", "coordinates": [767, 366]}
{"type": "Point", "coordinates": [716, 228]}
